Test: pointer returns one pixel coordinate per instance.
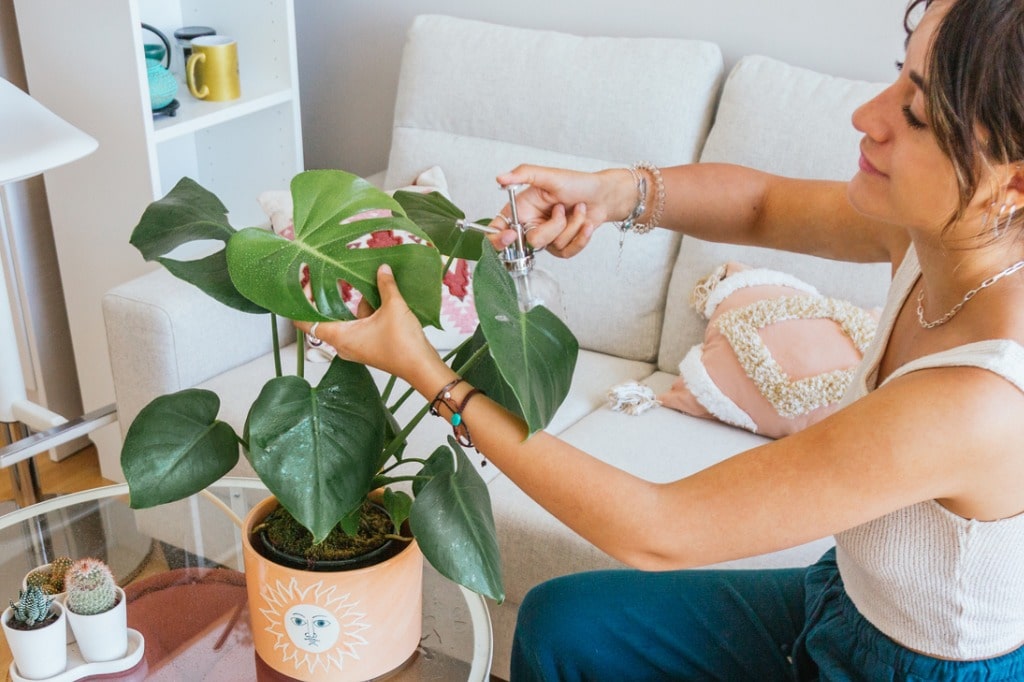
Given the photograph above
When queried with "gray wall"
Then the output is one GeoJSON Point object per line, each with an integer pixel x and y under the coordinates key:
{"type": "Point", "coordinates": [349, 50]}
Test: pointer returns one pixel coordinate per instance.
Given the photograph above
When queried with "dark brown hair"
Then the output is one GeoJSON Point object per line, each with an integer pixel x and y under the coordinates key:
{"type": "Point", "coordinates": [975, 78]}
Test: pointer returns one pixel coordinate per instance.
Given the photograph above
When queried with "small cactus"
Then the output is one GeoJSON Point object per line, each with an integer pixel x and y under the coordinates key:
{"type": "Point", "coordinates": [90, 587]}
{"type": "Point", "coordinates": [51, 578]}
{"type": "Point", "coordinates": [32, 607]}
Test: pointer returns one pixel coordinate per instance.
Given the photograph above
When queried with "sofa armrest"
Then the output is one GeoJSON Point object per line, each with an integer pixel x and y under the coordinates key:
{"type": "Point", "coordinates": [165, 335]}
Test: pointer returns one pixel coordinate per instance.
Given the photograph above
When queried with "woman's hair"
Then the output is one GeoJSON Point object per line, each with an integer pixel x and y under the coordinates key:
{"type": "Point", "coordinates": [975, 77]}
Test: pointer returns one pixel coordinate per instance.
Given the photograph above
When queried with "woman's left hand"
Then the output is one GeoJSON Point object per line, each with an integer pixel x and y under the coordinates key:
{"type": "Point", "coordinates": [389, 338]}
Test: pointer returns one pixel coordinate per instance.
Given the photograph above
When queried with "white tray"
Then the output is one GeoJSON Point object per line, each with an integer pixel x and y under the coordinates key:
{"type": "Point", "coordinates": [78, 668]}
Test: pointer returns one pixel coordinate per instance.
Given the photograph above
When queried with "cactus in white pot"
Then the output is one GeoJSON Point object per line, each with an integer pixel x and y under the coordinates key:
{"type": "Point", "coordinates": [97, 611]}
{"type": "Point", "coordinates": [36, 634]}
{"type": "Point", "coordinates": [50, 577]}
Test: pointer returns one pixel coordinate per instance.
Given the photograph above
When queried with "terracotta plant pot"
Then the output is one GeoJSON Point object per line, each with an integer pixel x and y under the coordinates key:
{"type": "Point", "coordinates": [102, 636]}
{"type": "Point", "coordinates": [345, 626]}
{"type": "Point", "coordinates": [40, 653]}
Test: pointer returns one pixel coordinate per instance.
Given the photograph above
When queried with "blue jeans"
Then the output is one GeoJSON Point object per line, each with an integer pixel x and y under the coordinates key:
{"type": "Point", "coordinates": [730, 625]}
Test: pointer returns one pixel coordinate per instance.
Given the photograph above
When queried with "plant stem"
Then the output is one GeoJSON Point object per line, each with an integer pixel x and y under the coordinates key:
{"type": "Point", "coordinates": [473, 359]}
{"type": "Point", "coordinates": [386, 393]}
{"type": "Point", "coordinates": [277, 345]}
{"type": "Point", "coordinates": [414, 460]}
{"type": "Point", "coordinates": [399, 479]}
{"type": "Point", "coordinates": [451, 257]}
{"type": "Point", "coordinates": [300, 353]}
{"type": "Point", "coordinates": [405, 396]}
{"type": "Point", "coordinates": [400, 437]}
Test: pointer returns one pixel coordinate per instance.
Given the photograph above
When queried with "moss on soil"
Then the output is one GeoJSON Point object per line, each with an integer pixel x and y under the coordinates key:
{"type": "Point", "coordinates": [285, 533]}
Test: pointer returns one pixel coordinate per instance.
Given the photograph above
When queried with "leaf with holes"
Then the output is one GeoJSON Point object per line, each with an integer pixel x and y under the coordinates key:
{"type": "Point", "coordinates": [267, 268]}
{"type": "Point", "coordinates": [190, 213]}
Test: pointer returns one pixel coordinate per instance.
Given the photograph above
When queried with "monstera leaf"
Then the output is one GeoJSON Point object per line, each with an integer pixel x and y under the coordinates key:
{"type": "Point", "coordinates": [439, 217]}
{"type": "Point", "coordinates": [267, 268]}
{"type": "Point", "coordinates": [533, 352]}
{"type": "Point", "coordinates": [176, 447]}
{"type": "Point", "coordinates": [317, 448]}
{"type": "Point", "coordinates": [484, 374]}
{"type": "Point", "coordinates": [190, 213]}
{"type": "Point", "coordinates": [453, 524]}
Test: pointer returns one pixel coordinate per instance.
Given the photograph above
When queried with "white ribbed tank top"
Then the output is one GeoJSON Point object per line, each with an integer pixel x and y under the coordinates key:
{"type": "Point", "coordinates": [931, 580]}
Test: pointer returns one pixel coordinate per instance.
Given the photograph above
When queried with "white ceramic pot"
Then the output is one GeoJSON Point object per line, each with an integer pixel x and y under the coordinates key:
{"type": "Point", "coordinates": [102, 636]}
{"type": "Point", "coordinates": [41, 653]}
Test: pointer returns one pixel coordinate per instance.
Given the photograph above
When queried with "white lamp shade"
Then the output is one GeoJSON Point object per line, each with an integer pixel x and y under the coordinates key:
{"type": "Point", "coordinates": [33, 139]}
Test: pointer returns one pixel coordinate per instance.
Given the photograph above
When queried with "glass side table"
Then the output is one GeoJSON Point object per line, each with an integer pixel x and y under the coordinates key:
{"type": "Point", "coordinates": [173, 558]}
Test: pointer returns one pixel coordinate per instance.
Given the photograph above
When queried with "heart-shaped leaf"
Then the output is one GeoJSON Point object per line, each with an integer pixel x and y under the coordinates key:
{"type": "Point", "coordinates": [267, 268]}
{"type": "Point", "coordinates": [176, 447]}
{"type": "Point", "coordinates": [316, 449]}
{"type": "Point", "coordinates": [187, 214]}
{"type": "Point", "coordinates": [440, 463]}
{"type": "Point", "coordinates": [534, 351]}
{"type": "Point", "coordinates": [452, 521]}
{"type": "Point", "coordinates": [397, 505]}
{"type": "Point", "coordinates": [484, 374]}
{"type": "Point", "coordinates": [438, 217]}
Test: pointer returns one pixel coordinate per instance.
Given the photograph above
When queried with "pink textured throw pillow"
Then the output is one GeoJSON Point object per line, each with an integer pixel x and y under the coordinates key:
{"type": "Point", "coordinates": [777, 356]}
{"type": "Point", "coordinates": [458, 312]}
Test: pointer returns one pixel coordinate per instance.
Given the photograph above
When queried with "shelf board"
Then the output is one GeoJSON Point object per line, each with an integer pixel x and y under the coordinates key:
{"type": "Point", "coordinates": [194, 115]}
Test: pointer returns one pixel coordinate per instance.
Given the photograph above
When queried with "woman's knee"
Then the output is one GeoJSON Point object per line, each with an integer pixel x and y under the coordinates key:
{"type": "Point", "coordinates": [548, 614]}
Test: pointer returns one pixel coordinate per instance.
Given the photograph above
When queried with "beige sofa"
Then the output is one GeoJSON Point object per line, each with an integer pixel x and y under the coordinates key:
{"type": "Point", "coordinates": [477, 99]}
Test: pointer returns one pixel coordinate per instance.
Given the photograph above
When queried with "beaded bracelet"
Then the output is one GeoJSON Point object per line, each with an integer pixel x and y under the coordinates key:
{"type": "Point", "coordinates": [659, 197]}
{"type": "Point", "coordinates": [459, 428]}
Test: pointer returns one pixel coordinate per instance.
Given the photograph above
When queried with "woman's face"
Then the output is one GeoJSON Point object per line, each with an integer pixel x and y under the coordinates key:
{"type": "Point", "coordinates": [904, 178]}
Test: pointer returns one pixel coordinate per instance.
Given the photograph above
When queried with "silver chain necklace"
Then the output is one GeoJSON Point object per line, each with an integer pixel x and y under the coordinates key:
{"type": "Point", "coordinates": [968, 296]}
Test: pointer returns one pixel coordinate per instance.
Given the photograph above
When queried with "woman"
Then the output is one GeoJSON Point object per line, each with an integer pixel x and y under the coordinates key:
{"type": "Point", "coordinates": [920, 476]}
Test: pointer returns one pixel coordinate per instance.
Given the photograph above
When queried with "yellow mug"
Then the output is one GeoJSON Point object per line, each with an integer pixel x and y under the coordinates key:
{"type": "Point", "coordinates": [212, 69]}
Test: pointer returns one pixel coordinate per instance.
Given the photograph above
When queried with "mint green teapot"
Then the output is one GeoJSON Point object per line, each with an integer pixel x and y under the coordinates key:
{"type": "Point", "coordinates": [163, 86]}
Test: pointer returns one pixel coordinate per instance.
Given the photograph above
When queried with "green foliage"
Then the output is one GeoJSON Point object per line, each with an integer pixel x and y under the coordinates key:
{"type": "Point", "coordinates": [90, 587]}
{"type": "Point", "coordinates": [32, 607]}
{"type": "Point", "coordinates": [266, 267]}
{"type": "Point", "coordinates": [321, 450]}
{"type": "Point", "coordinates": [436, 215]}
{"type": "Point", "coordinates": [191, 213]}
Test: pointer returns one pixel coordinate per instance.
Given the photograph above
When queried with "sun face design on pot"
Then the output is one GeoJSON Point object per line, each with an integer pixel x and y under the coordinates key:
{"type": "Point", "coordinates": [314, 626]}
{"type": "Point", "coordinates": [310, 629]}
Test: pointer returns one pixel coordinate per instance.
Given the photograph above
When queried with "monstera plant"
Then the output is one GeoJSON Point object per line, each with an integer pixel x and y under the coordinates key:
{"type": "Point", "coordinates": [322, 449]}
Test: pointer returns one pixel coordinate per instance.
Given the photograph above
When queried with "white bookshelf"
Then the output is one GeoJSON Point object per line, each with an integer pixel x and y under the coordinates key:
{"type": "Point", "coordinates": [84, 61]}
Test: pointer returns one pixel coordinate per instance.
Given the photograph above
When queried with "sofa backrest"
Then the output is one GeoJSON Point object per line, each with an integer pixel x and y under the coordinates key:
{"type": "Point", "coordinates": [793, 122]}
{"type": "Point", "coordinates": [478, 99]}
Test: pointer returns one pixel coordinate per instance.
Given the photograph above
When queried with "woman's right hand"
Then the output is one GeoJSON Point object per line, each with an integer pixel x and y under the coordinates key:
{"type": "Point", "coordinates": [562, 208]}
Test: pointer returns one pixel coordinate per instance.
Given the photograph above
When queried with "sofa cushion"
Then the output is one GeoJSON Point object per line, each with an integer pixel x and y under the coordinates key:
{"type": "Point", "coordinates": [557, 99]}
{"type": "Point", "coordinates": [793, 122]}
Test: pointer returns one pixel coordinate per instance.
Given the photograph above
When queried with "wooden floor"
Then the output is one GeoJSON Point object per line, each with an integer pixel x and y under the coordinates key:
{"type": "Point", "coordinates": [80, 471]}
